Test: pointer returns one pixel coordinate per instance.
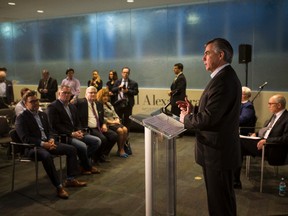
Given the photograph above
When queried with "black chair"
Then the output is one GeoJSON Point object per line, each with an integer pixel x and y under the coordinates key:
{"type": "Point", "coordinates": [21, 150]}
{"type": "Point", "coordinates": [276, 156]}
{"type": "Point", "coordinates": [4, 131]}
{"type": "Point", "coordinates": [10, 115]}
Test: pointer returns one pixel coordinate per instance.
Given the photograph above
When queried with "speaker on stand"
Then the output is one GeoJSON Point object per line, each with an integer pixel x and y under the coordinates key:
{"type": "Point", "coordinates": [245, 53]}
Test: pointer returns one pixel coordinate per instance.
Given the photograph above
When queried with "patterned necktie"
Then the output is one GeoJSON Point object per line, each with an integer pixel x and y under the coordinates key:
{"type": "Point", "coordinates": [96, 117]}
{"type": "Point", "coordinates": [263, 131]}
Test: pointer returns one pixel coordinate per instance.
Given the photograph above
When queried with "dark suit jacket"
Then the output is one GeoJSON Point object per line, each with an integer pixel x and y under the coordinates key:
{"type": "Point", "coordinates": [59, 119]}
{"type": "Point", "coordinates": [9, 92]}
{"type": "Point", "coordinates": [28, 129]}
{"type": "Point", "coordinates": [52, 87]}
{"type": "Point", "coordinates": [132, 90]}
{"type": "Point", "coordinates": [178, 88]}
{"type": "Point", "coordinates": [217, 121]}
{"type": "Point", "coordinates": [247, 118]}
{"type": "Point", "coordinates": [82, 106]}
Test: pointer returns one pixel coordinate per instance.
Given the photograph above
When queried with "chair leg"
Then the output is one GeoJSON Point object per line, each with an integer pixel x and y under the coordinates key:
{"type": "Point", "coordinates": [262, 168]}
{"type": "Point", "coordinates": [36, 170]}
{"type": "Point", "coordinates": [61, 175]}
{"type": "Point", "coordinates": [13, 169]}
{"type": "Point", "coordinates": [248, 158]}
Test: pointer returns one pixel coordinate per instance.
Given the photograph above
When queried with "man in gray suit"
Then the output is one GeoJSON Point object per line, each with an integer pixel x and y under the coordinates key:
{"type": "Point", "coordinates": [217, 122]}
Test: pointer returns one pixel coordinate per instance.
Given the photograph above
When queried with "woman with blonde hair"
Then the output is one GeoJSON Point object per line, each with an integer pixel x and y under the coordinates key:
{"type": "Point", "coordinates": [96, 80]}
{"type": "Point", "coordinates": [112, 120]}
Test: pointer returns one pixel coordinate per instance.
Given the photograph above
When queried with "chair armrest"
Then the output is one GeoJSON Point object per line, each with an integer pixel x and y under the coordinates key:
{"type": "Point", "coordinates": [22, 144]}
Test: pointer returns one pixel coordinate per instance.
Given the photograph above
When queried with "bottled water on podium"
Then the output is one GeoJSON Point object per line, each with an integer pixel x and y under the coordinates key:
{"type": "Point", "coordinates": [282, 187]}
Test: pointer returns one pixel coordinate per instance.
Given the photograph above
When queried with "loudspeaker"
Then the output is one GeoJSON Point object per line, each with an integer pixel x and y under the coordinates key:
{"type": "Point", "coordinates": [245, 53]}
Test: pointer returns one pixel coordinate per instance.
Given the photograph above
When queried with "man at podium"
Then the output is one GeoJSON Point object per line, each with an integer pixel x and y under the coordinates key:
{"type": "Point", "coordinates": [217, 122]}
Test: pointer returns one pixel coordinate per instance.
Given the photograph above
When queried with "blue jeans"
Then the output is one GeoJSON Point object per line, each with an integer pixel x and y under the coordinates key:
{"type": "Point", "coordinates": [86, 148]}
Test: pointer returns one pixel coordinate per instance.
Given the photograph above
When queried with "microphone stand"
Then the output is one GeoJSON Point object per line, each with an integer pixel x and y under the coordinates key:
{"type": "Point", "coordinates": [257, 94]}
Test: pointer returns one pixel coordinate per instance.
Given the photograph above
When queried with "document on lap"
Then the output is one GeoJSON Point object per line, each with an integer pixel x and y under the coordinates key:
{"type": "Point", "coordinates": [250, 137]}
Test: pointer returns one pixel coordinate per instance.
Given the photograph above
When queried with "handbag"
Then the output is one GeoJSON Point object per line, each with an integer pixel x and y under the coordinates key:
{"type": "Point", "coordinates": [127, 148]}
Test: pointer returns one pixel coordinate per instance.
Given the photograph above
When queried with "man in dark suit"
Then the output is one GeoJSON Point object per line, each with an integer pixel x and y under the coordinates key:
{"type": "Point", "coordinates": [91, 115]}
{"type": "Point", "coordinates": [217, 147]}
{"type": "Point", "coordinates": [47, 87]}
{"type": "Point", "coordinates": [275, 131]}
{"type": "Point", "coordinates": [248, 118]}
{"type": "Point", "coordinates": [64, 119]}
{"type": "Point", "coordinates": [32, 127]}
{"type": "Point", "coordinates": [6, 90]}
{"type": "Point", "coordinates": [178, 89]}
{"type": "Point", "coordinates": [125, 89]}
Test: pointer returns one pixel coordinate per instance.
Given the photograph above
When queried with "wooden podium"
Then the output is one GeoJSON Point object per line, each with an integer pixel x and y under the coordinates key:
{"type": "Point", "coordinates": [160, 162]}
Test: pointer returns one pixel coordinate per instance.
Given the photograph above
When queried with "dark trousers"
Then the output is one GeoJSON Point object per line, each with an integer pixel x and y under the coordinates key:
{"type": "Point", "coordinates": [108, 140]}
{"type": "Point", "coordinates": [248, 147]}
{"type": "Point", "coordinates": [220, 192]}
{"type": "Point", "coordinates": [124, 114]}
{"type": "Point", "coordinates": [46, 156]}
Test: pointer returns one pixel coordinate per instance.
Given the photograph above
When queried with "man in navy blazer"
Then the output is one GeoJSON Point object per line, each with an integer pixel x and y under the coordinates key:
{"type": "Point", "coordinates": [64, 119]}
{"type": "Point", "coordinates": [216, 123]}
{"type": "Point", "coordinates": [177, 89]}
{"type": "Point", "coordinates": [276, 133]}
{"type": "Point", "coordinates": [6, 90]}
{"type": "Point", "coordinates": [32, 127]}
{"type": "Point", "coordinates": [88, 120]}
{"type": "Point", "coordinates": [126, 89]}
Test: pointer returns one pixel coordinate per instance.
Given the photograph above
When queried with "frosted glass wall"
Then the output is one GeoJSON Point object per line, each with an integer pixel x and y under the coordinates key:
{"type": "Point", "coordinates": [150, 41]}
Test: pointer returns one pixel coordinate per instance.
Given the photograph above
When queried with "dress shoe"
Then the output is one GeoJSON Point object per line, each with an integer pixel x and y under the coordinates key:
{"type": "Point", "coordinates": [85, 172]}
{"type": "Point", "coordinates": [94, 170]}
{"type": "Point", "coordinates": [237, 185]}
{"type": "Point", "coordinates": [74, 183]}
{"type": "Point", "coordinates": [61, 193]}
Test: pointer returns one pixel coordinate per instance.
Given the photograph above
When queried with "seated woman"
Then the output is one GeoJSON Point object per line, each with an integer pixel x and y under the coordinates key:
{"type": "Point", "coordinates": [248, 118]}
{"type": "Point", "coordinates": [112, 120]}
{"type": "Point", "coordinates": [96, 80]}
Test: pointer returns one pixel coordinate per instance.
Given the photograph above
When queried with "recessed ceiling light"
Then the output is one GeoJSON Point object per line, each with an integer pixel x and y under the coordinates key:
{"type": "Point", "coordinates": [130, 1]}
{"type": "Point", "coordinates": [11, 3]}
{"type": "Point", "coordinates": [40, 11]}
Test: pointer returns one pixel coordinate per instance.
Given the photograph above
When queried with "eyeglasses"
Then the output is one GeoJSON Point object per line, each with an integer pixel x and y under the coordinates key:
{"type": "Point", "coordinates": [66, 93]}
{"type": "Point", "coordinates": [33, 101]}
{"type": "Point", "coordinates": [271, 104]}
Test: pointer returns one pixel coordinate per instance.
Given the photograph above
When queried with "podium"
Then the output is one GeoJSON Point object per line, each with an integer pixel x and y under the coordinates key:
{"type": "Point", "coordinates": [160, 162]}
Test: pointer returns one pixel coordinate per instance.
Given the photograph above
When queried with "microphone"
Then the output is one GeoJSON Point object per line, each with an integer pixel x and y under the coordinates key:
{"type": "Point", "coordinates": [262, 86]}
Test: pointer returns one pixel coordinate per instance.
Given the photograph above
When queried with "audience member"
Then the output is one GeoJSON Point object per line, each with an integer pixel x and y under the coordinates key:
{"type": "Point", "coordinates": [248, 118]}
{"type": "Point", "coordinates": [20, 106]}
{"type": "Point", "coordinates": [6, 90]}
{"type": "Point", "coordinates": [64, 119]}
{"type": "Point", "coordinates": [112, 78]}
{"type": "Point", "coordinates": [37, 132]}
{"type": "Point", "coordinates": [275, 131]}
{"type": "Point", "coordinates": [47, 87]}
{"type": "Point", "coordinates": [178, 89]}
{"type": "Point", "coordinates": [73, 83]}
{"type": "Point", "coordinates": [217, 127]}
{"type": "Point", "coordinates": [96, 80]}
{"type": "Point", "coordinates": [91, 115]}
{"type": "Point", "coordinates": [113, 121]}
{"type": "Point", "coordinates": [125, 89]}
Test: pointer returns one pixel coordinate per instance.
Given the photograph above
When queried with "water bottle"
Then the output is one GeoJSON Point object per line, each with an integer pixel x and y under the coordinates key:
{"type": "Point", "coordinates": [282, 187]}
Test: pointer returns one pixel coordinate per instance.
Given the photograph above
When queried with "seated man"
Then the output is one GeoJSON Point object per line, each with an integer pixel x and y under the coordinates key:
{"type": "Point", "coordinates": [32, 127]}
{"type": "Point", "coordinates": [275, 131]}
{"type": "Point", "coordinates": [247, 113]}
{"type": "Point", "coordinates": [64, 119]}
{"type": "Point", "coordinates": [20, 106]}
{"type": "Point", "coordinates": [91, 114]}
